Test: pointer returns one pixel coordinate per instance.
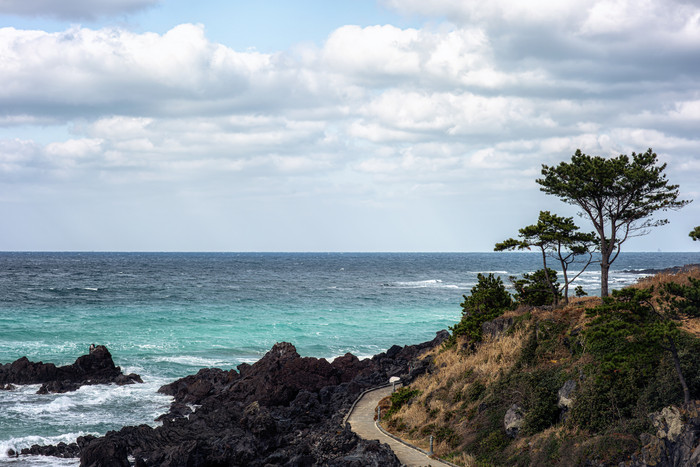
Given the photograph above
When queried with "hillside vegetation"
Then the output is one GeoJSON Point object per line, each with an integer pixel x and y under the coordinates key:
{"type": "Point", "coordinates": [569, 386]}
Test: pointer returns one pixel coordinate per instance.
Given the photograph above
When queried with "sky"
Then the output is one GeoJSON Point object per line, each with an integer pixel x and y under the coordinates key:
{"type": "Point", "coordinates": [351, 125]}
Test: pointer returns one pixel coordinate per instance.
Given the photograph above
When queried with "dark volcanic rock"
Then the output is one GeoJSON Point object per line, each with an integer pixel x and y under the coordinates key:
{"type": "Point", "coordinates": [497, 327]}
{"type": "Point", "coordinates": [95, 368]}
{"type": "Point", "coordinates": [194, 388]}
{"type": "Point", "coordinates": [283, 410]}
{"type": "Point", "coordinates": [677, 439]}
{"type": "Point", "coordinates": [60, 450]}
{"type": "Point", "coordinates": [671, 270]}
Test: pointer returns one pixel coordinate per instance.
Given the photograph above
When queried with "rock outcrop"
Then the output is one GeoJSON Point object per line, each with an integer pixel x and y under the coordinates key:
{"type": "Point", "coordinates": [97, 367]}
{"type": "Point", "coordinates": [497, 327]}
{"type": "Point", "coordinates": [677, 439]}
{"type": "Point", "coordinates": [283, 410]}
{"type": "Point", "coordinates": [514, 420]}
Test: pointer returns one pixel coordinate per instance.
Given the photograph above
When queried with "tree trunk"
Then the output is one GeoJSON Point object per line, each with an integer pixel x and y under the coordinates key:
{"type": "Point", "coordinates": [605, 251]}
{"type": "Point", "coordinates": [566, 283]}
{"type": "Point", "coordinates": [604, 268]}
{"type": "Point", "coordinates": [555, 298]}
{"type": "Point", "coordinates": [677, 364]}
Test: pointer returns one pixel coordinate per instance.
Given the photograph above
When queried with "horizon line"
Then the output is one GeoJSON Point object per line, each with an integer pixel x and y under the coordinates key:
{"type": "Point", "coordinates": [309, 251]}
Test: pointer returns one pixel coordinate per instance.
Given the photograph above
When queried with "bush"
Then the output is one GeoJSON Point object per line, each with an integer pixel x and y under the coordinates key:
{"type": "Point", "coordinates": [447, 435]}
{"type": "Point", "coordinates": [401, 397]}
{"type": "Point", "coordinates": [629, 352]}
{"type": "Point", "coordinates": [475, 391]}
{"type": "Point", "coordinates": [488, 300]}
{"type": "Point", "coordinates": [533, 289]}
{"type": "Point", "coordinates": [542, 411]}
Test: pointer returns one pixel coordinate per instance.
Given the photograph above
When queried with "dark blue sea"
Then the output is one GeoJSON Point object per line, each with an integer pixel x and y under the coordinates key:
{"type": "Point", "coordinates": [165, 315]}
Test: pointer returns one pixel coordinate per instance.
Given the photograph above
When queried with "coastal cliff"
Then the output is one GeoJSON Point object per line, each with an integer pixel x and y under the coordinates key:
{"type": "Point", "coordinates": [586, 384]}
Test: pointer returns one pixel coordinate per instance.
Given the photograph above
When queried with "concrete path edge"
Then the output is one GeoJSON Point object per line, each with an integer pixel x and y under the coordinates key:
{"type": "Point", "coordinates": [386, 433]}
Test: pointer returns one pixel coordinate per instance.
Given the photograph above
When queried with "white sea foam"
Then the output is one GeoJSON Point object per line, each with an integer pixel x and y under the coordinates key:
{"type": "Point", "coordinates": [200, 362]}
{"type": "Point", "coordinates": [430, 283]}
{"type": "Point", "coordinates": [17, 444]}
{"type": "Point", "coordinates": [91, 409]}
{"type": "Point", "coordinates": [247, 359]}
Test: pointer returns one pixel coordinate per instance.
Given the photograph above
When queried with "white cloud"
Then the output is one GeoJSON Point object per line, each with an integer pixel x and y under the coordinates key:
{"type": "Point", "coordinates": [73, 9]}
{"type": "Point", "coordinates": [537, 11]}
{"type": "Point", "coordinates": [441, 113]}
{"type": "Point", "coordinates": [384, 50]}
{"type": "Point", "coordinates": [105, 70]}
{"type": "Point", "coordinates": [74, 148]}
{"type": "Point", "coordinates": [686, 111]}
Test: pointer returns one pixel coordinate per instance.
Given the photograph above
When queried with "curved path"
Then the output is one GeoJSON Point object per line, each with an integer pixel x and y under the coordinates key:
{"type": "Point", "coordinates": [361, 420]}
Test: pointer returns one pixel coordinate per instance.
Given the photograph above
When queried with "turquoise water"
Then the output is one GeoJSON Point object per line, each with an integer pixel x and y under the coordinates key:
{"type": "Point", "coordinates": [165, 315]}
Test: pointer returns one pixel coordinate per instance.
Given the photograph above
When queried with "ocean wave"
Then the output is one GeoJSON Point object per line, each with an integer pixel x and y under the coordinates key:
{"type": "Point", "coordinates": [429, 283]}
{"type": "Point", "coordinates": [200, 362]}
{"type": "Point", "coordinates": [17, 444]}
{"type": "Point", "coordinates": [249, 360]}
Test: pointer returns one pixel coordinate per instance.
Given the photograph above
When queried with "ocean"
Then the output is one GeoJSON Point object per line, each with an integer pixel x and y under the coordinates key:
{"type": "Point", "coordinates": [166, 315]}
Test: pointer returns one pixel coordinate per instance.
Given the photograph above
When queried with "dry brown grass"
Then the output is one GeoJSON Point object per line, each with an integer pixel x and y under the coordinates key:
{"type": "Point", "coordinates": [495, 356]}
{"type": "Point", "coordinates": [443, 398]}
{"type": "Point", "coordinates": [446, 400]}
{"type": "Point", "coordinates": [441, 391]}
{"type": "Point", "coordinates": [691, 325]}
{"type": "Point", "coordinates": [658, 280]}
{"type": "Point", "coordinates": [414, 415]}
{"type": "Point", "coordinates": [464, 459]}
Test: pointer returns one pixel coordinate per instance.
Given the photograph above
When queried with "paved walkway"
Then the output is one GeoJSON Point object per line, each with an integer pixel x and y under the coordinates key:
{"type": "Point", "coordinates": [362, 422]}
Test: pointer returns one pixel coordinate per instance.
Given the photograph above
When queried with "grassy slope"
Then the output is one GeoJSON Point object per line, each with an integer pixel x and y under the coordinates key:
{"type": "Point", "coordinates": [463, 402]}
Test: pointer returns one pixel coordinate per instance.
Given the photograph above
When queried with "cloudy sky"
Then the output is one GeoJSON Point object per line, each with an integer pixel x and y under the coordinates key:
{"type": "Point", "coordinates": [311, 125]}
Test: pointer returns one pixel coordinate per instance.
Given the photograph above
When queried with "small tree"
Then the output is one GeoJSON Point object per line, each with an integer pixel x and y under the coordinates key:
{"type": "Point", "coordinates": [695, 233]}
{"type": "Point", "coordinates": [632, 326]}
{"type": "Point", "coordinates": [619, 196]}
{"type": "Point", "coordinates": [537, 289]}
{"type": "Point", "coordinates": [677, 301]}
{"type": "Point", "coordinates": [559, 238]}
{"type": "Point", "coordinates": [488, 300]}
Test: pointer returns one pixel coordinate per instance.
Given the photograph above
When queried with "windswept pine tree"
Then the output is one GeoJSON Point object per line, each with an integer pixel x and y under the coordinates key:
{"type": "Point", "coordinates": [559, 238]}
{"type": "Point", "coordinates": [695, 233]}
{"type": "Point", "coordinates": [620, 196]}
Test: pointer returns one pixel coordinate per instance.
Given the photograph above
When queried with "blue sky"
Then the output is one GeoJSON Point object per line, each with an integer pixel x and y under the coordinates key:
{"type": "Point", "coordinates": [266, 25]}
{"type": "Point", "coordinates": [387, 125]}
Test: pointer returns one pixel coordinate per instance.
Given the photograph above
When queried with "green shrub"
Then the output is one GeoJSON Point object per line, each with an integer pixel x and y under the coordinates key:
{"type": "Point", "coordinates": [630, 352]}
{"type": "Point", "coordinates": [475, 391]}
{"type": "Point", "coordinates": [400, 397]}
{"type": "Point", "coordinates": [488, 300]}
{"type": "Point", "coordinates": [448, 435]}
{"type": "Point", "coordinates": [491, 445]}
{"type": "Point", "coordinates": [541, 400]}
{"type": "Point", "coordinates": [427, 429]}
{"type": "Point", "coordinates": [534, 289]}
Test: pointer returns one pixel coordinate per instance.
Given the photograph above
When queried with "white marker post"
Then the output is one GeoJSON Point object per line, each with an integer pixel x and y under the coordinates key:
{"type": "Point", "coordinates": [393, 380]}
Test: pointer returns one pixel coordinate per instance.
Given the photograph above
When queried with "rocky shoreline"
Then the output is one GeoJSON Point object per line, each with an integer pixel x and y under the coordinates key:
{"type": "Point", "coordinates": [282, 410]}
{"type": "Point", "coordinates": [672, 270]}
{"type": "Point", "coordinates": [97, 367]}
